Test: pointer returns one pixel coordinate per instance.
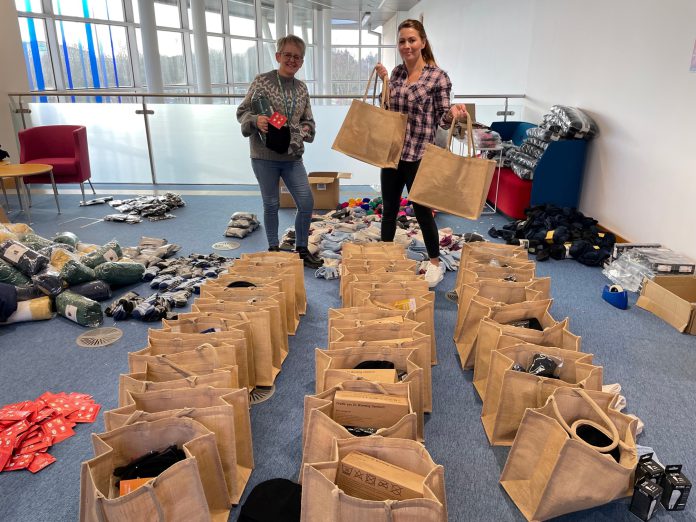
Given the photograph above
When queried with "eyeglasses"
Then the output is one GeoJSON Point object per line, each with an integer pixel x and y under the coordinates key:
{"type": "Point", "coordinates": [295, 57]}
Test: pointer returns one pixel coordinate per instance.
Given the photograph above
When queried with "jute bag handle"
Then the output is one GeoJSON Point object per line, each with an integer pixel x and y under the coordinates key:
{"type": "Point", "coordinates": [471, 149]}
{"type": "Point", "coordinates": [384, 103]}
{"type": "Point", "coordinates": [180, 369]}
{"type": "Point", "coordinates": [572, 430]}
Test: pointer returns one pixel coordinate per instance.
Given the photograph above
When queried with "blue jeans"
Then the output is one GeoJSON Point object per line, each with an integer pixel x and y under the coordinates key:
{"type": "Point", "coordinates": [268, 173]}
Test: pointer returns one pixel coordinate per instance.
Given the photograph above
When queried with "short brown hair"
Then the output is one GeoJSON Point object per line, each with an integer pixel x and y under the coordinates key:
{"type": "Point", "coordinates": [290, 39]}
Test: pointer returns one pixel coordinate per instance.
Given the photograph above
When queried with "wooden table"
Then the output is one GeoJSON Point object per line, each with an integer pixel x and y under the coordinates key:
{"type": "Point", "coordinates": [18, 171]}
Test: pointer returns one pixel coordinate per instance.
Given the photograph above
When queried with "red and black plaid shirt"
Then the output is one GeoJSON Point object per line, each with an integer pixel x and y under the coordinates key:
{"type": "Point", "coordinates": [425, 102]}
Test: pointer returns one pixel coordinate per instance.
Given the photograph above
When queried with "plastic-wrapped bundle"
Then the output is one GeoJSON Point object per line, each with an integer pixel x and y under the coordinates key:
{"type": "Point", "coordinates": [6, 233]}
{"type": "Point", "coordinates": [522, 159]}
{"type": "Point", "coordinates": [95, 290]}
{"type": "Point", "coordinates": [541, 134]}
{"type": "Point", "coordinates": [531, 150]}
{"type": "Point", "coordinates": [26, 260]}
{"type": "Point", "coordinates": [109, 252]}
{"type": "Point", "coordinates": [79, 309]}
{"type": "Point", "coordinates": [573, 120]}
{"type": "Point", "coordinates": [537, 142]}
{"type": "Point", "coordinates": [86, 248]}
{"type": "Point", "coordinates": [522, 171]}
{"type": "Point", "coordinates": [59, 256]}
{"type": "Point", "coordinates": [67, 238]}
{"type": "Point", "coordinates": [486, 139]}
{"type": "Point", "coordinates": [241, 224]}
{"type": "Point", "coordinates": [120, 274]}
{"type": "Point", "coordinates": [10, 275]}
{"type": "Point", "coordinates": [49, 282]}
{"type": "Point", "coordinates": [38, 309]}
{"type": "Point", "coordinates": [74, 272]}
{"type": "Point", "coordinates": [34, 241]}
{"type": "Point", "coordinates": [26, 293]}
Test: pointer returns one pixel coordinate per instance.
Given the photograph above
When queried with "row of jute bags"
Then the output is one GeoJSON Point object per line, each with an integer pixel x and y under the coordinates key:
{"type": "Point", "coordinates": [190, 387]}
{"type": "Point", "coordinates": [446, 181]}
{"type": "Point", "coordinates": [387, 316]}
{"type": "Point", "coordinates": [551, 469]}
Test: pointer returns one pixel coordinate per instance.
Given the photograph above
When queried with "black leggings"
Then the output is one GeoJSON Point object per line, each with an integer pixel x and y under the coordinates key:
{"type": "Point", "coordinates": [393, 182]}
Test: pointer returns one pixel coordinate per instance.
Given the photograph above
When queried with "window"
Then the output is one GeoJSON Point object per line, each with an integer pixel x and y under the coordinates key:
{"type": "Point", "coordinates": [216, 54]}
{"type": "Point", "coordinates": [94, 55]}
{"type": "Point", "coordinates": [268, 27]}
{"type": "Point", "coordinates": [29, 6]}
{"type": "Point", "coordinates": [213, 15]}
{"type": "Point", "coordinates": [303, 24]}
{"type": "Point", "coordinates": [167, 13]}
{"type": "Point", "coordinates": [242, 17]}
{"type": "Point", "coordinates": [101, 9]}
{"type": "Point", "coordinates": [36, 55]}
{"type": "Point", "coordinates": [244, 61]}
{"type": "Point", "coordinates": [171, 47]}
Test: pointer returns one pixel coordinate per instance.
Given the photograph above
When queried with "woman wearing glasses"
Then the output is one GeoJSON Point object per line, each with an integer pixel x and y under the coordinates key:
{"type": "Point", "coordinates": [277, 118]}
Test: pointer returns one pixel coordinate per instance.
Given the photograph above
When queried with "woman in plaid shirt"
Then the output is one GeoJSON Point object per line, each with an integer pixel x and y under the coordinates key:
{"type": "Point", "coordinates": [420, 89]}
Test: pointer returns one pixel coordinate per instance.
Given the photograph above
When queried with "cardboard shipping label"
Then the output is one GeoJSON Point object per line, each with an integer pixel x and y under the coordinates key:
{"type": "Point", "coordinates": [369, 410]}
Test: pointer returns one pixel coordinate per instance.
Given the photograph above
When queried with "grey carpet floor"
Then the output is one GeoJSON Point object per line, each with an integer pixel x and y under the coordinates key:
{"type": "Point", "coordinates": [655, 365]}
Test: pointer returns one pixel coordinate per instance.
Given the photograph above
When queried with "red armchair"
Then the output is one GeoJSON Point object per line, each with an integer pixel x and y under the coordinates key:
{"type": "Point", "coordinates": [62, 146]}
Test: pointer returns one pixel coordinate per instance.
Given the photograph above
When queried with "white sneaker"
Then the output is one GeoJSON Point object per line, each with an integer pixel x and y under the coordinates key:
{"type": "Point", "coordinates": [434, 274]}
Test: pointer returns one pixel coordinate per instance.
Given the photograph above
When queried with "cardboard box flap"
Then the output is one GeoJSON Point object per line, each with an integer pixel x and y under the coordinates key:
{"type": "Point", "coordinates": [344, 175]}
{"type": "Point", "coordinates": [665, 304]}
{"type": "Point", "coordinates": [321, 180]}
{"type": "Point", "coordinates": [682, 286]}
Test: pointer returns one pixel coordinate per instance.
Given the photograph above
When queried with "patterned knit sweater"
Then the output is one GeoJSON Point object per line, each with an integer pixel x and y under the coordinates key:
{"type": "Point", "coordinates": [267, 84]}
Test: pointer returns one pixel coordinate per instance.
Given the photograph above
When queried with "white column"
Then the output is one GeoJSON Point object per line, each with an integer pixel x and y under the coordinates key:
{"type": "Point", "coordinates": [13, 77]}
{"type": "Point", "coordinates": [318, 16]}
{"type": "Point", "coordinates": [200, 46]}
{"type": "Point", "coordinates": [151, 55]}
{"type": "Point", "coordinates": [281, 18]}
{"type": "Point", "coordinates": [326, 22]}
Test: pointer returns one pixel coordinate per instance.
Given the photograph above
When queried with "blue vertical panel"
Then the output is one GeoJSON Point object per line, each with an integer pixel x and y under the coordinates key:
{"type": "Point", "coordinates": [35, 54]}
{"type": "Point", "coordinates": [27, 63]}
{"type": "Point", "coordinates": [113, 53]}
{"type": "Point", "coordinates": [91, 50]}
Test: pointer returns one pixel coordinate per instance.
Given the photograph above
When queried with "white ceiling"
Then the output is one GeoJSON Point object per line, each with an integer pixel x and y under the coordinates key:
{"type": "Point", "coordinates": [380, 10]}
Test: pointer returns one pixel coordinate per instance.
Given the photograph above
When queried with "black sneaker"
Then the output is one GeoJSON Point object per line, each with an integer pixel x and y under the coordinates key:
{"type": "Point", "coordinates": [274, 248]}
{"type": "Point", "coordinates": [310, 260]}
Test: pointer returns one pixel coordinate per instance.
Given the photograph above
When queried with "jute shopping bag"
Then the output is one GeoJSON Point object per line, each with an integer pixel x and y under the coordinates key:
{"type": "Point", "coordinates": [225, 412]}
{"type": "Point", "coordinates": [403, 334]}
{"type": "Point", "coordinates": [419, 304]}
{"type": "Point", "coordinates": [294, 265]}
{"type": "Point", "coordinates": [357, 250]}
{"type": "Point", "coordinates": [188, 324]}
{"type": "Point", "coordinates": [191, 489]}
{"type": "Point", "coordinates": [367, 281]}
{"type": "Point", "coordinates": [493, 335]}
{"type": "Point", "coordinates": [331, 366]}
{"type": "Point", "coordinates": [555, 468]}
{"type": "Point", "coordinates": [190, 369]}
{"type": "Point", "coordinates": [479, 300]}
{"type": "Point", "coordinates": [322, 500]}
{"type": "Point", "coordinates": [510, 392]}
{"type": "Point", "coordinates": [452, 183]}
{"type": "Point", "coordinates": [233, 350]}
{"type": "Point", "coordinates": [496, 272]}
{"type": "Point", "coordinates": [372, 134]}
{"type": "Point", "coordinates": [350, 268]}
{"type": "Point", "coordinates": [488, 246]}
{"type": "Point", "coordinates": [276, 318]}
{"type": "Point", "coordinates": [320, 428]}
{"type": "Point", "coordinates": [284, 282]}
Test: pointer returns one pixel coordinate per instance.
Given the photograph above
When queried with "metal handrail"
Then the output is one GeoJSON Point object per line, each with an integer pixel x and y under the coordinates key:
{"type": "Point", "coordinates": [146, 113]}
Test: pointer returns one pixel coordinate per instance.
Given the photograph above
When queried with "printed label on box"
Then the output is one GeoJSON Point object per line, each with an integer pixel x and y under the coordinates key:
{"type": "Point", "coordinates": [321, 186]}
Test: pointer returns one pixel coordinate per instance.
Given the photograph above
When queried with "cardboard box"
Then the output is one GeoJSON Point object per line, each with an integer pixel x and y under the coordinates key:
{"type": "Point", "coordinates": [325, 189]}
{"type": "Point", "coordinates": [672, 299]}
{"type": "Point", "coordinates": [369, 410]}
{"type": "Point", "coordinates": [376, 375]}
{"type": "Point", "coordinates": [126, 486]}
{"type": "Point", "coordinates": [369, 478]}
{"type": "Point", "coordinates": [667, 261]}
{"type": "Point", "coordinates": [620, 248]}
{"type": "Point", "coordinates": [648, 470]}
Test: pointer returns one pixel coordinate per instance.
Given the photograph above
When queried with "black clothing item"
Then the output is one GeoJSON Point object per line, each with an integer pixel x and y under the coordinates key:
{"type": "Point", "coordinates": [150, 465]}
{"type": "Point", "coordinates": [275, 500]}
{"type": "Point", "coordinates": [375, 365]}
{"type": "Point", "coordinates": [240, 284]}
{"type": "Point", "coordinates": [8, 301]}
{"type": "Point", "coordinates": [278, 140]}
{"type": "Point", "coordinates": [542, 365]}
{"type": "Point", "coordinates": [596, 438]}
{"type": "Point", "coordinates": [274, 248]}
{"type": "Point", "coordinates": [393, 182]}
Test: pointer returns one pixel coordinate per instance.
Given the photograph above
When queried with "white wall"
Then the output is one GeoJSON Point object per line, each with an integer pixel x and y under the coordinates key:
{"type": "Point", "coordinates": [13, 74]}
{"type": "Point", "coordinates": [626, 62]}
{"type": "Point", "coordinates": [482, 44]}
